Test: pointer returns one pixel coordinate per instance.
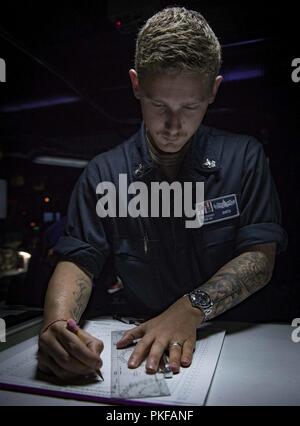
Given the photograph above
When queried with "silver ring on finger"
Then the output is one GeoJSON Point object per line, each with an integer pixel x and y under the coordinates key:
{"type": "Point", "coordinates": [171, 344]}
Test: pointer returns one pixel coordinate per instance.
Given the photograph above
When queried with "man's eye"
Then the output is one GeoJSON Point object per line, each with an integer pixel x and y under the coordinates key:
{"type": "Point", "coordinates": [190, 108]}
{"type": "Point", "coordinates": [158, 105]}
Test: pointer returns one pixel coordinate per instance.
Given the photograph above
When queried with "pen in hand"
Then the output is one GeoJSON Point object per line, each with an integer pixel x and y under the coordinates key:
{"type": "Point", "coordinates": [73, 327]}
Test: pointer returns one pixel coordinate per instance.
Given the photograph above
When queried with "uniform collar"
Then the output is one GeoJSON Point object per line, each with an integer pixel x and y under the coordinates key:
{"type": "Point", "coordinates": [203, 156]}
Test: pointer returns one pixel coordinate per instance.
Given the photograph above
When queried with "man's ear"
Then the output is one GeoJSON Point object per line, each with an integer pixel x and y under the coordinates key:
{"type": "Point", "coordinates": [215, 89]}
{"type": "Point", "coordinates": [135, 83]}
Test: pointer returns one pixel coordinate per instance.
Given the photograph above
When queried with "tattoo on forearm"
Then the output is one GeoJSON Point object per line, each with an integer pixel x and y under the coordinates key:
{"type": "Point", "coordinates": [82, 294]}
{"type": "Point", "coordinates": [237, 280]}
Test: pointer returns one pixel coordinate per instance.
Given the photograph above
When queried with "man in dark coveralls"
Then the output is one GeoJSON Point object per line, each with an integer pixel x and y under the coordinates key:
{"type": "Point", "coordinates": [174, 277]}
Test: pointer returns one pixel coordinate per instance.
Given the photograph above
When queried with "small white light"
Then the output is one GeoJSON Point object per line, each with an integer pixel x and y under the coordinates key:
{"type": "Point", "coordinates": [26, 256]}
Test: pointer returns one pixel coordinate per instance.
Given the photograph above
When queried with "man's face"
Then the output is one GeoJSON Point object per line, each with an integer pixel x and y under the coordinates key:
{"type": "Point", "coordinates": [173, 106]}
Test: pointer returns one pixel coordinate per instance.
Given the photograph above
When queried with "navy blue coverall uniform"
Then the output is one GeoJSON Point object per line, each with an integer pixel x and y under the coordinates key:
{"type": "Point", "coordinates": [159, 259]}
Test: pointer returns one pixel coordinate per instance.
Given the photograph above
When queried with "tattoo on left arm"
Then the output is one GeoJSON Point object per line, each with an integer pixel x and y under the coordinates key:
{"type": "Point", "coordinates": [81, 295]}
{"type": "Point", "coordinates": [240, 278]}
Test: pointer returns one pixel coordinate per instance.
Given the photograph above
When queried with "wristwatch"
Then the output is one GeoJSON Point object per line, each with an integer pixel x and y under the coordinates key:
{"type": "Point", "coordinates": [201, 300]}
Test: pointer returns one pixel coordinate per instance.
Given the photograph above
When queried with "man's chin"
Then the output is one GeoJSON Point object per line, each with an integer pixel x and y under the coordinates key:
{"type": "Point", "coordinates": [170, 147]}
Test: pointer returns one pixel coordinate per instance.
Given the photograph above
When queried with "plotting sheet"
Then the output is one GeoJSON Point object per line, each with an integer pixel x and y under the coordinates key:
{"type": "Point", "coordinates": [132, 383]}
{"type": "Point", "coordinates": [189, 387]}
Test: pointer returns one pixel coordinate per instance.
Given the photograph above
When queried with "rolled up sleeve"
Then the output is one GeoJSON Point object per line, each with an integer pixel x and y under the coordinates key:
{"type": "Point", "coordinates": [260, 212]}
{"type": "Point", "coordinates": [84, 242]}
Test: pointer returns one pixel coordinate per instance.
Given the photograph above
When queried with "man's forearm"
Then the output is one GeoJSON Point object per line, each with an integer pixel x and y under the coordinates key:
{"type": "Point", "coordinates": [241, 277]}
{"type": "Point", "coordinates": [68, 293]}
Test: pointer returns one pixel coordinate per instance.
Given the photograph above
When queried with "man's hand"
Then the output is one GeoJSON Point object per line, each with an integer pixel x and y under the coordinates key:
{"type": "Point", "coordinates": [66, 356]}
{"type": "Point", "coordinates": [177, 324]}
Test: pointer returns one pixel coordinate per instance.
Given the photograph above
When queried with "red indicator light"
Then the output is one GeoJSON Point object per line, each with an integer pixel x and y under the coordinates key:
{"type": "Point", "coordinates": [118, 24]}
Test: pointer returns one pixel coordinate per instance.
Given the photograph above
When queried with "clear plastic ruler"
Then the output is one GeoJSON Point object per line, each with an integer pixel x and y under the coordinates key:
{"type": "Point", "coordinates": [132, 383]}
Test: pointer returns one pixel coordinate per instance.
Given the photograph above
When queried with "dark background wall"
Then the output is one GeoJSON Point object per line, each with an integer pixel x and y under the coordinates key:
{"type": "Point", "coordinates": [68, 95]}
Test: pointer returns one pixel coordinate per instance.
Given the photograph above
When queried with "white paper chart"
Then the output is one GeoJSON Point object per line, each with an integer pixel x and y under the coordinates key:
{"type": "Point", "coordinates": [189, 387]}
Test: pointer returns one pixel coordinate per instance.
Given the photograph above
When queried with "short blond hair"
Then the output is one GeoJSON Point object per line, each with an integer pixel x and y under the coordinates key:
{"type": "Point", "coordinates": [176, 39]}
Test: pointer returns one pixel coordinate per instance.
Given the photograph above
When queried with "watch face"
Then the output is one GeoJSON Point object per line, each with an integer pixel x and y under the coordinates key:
{"type": "Point", "coordinates": [205, 299]}
{"type": "Point", "coordinates": [201, 298]}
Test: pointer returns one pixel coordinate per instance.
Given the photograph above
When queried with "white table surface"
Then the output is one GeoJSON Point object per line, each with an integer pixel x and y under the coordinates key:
{"type": "Point", "coordinates": [258, 365]}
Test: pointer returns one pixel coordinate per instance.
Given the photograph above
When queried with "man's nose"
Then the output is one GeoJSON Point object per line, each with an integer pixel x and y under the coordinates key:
{"type": "Point", "coordinates": [173, 123]}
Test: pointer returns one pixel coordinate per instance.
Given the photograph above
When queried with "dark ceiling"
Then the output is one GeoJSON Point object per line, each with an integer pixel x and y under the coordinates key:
{"type": "Point", "coordinates": [68, 91]}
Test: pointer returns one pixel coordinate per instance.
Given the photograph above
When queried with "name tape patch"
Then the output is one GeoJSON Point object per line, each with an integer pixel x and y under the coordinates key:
{"type": "Point", "coordinates": [221, 208]}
